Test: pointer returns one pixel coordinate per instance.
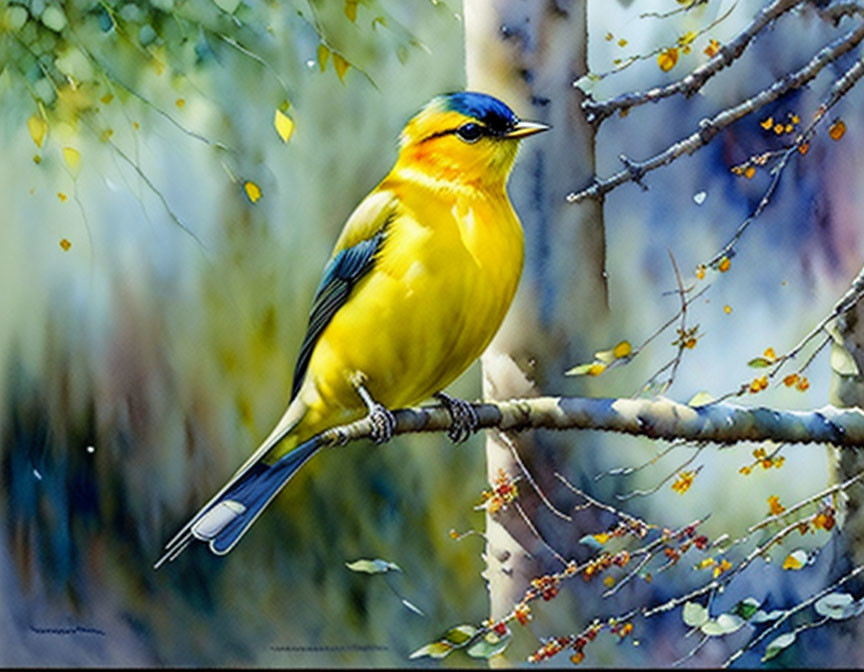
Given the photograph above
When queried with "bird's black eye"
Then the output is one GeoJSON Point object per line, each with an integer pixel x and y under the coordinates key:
{"type": "Point", "coordinates": [470, 132]}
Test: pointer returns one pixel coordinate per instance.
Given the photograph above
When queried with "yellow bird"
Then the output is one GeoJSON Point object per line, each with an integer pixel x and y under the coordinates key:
{"type": "Point", "coordinates": [419, 282]}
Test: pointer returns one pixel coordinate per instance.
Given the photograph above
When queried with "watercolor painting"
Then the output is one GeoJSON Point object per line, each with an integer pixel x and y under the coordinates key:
{"type": "Point", "coordinates": [431, 333]}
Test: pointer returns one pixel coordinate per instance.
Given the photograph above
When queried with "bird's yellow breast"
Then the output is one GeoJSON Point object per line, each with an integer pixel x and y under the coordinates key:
{"type": "Point", "coordinates": [440, 287]}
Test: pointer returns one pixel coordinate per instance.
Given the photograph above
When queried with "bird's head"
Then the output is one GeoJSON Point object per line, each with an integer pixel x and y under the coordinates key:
{"type": "Point", "coordinates": [464, 137]}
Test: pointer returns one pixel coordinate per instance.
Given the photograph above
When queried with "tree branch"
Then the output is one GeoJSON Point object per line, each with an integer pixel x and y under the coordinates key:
{"type": "Point", "coordinates": [656, 418]}
{"type": "Point", "coordinates": [597, 111]}
{"type": "Point", "coordinates": [709, 128]}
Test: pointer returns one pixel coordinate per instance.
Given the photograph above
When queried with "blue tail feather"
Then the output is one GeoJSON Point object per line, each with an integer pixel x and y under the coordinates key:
{"type": "Point", "coordinates": [227, 520]}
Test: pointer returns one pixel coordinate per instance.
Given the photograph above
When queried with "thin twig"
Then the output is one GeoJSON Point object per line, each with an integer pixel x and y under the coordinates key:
{"type": "Point", "coordinates": [597, 111]}
{"type": "Point", "coordinates": [709, 128]}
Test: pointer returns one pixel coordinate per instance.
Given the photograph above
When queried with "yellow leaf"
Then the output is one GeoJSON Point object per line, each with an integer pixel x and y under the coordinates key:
{"type": "Point", "coordinates": [727, 309]}
{"type": "Point", "coordinates": [61, 196]}
{"type": "Point", "coordinates": [253, 191]}
{"type": "Point", "coordinates": [180, 102]}
{"type": "Point", "coordinates": [601, 537]}
{"type": "Point", "coordinates": [351, 9]}
{"type": "Point", "coordinates": [667, 59]}
{"type": "Point", "coordinates": [65, 244]}
{"type": "Point", "coordinates": [775, 506]}
{"type": "Point", "coordinates": [72, 157]}
{"type": "Point", "coordinates": [837, 129]}
{"type": "Point", "coordinates": [767, 124]}
{"type": "Point", "coordinates": [596, 369]}
{"type": "Point", "coordinates": [724, 265]}
{"type": "Point", "coordinates": [38, 128]}
{"type": "Point", "coordinates": [323, 55]}
{"type": "Point", "coordinates": [284, 125]}
{"type": "Point", "coordinates": [623, 349]}
{"type": "Point", "coordinates": [341, 66]}
{"type": "Point", "coordinates": [107, 98]}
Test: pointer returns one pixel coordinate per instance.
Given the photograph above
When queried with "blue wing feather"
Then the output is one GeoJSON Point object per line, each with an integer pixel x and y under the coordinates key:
{"type": "Point", "coordinates": [341, 274]}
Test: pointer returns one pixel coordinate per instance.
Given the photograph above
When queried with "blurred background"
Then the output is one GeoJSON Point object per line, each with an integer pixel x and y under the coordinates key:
{"type": "Point", "coordinates": [160, 247]}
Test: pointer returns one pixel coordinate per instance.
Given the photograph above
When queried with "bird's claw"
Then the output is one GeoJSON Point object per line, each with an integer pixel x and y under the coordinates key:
{"type": "Point", "coordinates": [383, 423]}
{"type": "Point", "coordinates": [465, 420]}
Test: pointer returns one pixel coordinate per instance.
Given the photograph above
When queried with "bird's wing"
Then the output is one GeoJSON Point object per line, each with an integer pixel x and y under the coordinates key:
{"type": "Point", "coordinates": [353, 257]}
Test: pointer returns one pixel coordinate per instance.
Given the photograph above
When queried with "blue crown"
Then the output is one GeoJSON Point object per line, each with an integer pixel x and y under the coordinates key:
{"type": "Point", "coordinates": [496, 116]}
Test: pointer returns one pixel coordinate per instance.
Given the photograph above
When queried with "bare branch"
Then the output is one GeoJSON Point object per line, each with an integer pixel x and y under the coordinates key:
{"type": "Point", "coordinates": [709, 128]}
{"type": "Point", "coordinates": [656, 418]}
{"type": "Point", "coordinates": [597, 111]}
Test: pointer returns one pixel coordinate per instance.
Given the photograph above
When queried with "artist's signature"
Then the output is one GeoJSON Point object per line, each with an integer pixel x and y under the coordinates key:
{"type": "Point", "coordinates": [77, 630]}
{"type": "Point", "coordinates": [324, 648]}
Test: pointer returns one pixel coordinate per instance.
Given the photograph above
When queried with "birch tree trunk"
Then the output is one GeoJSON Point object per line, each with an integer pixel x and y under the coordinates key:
{"type": "Point", "coordinates": [529, 53]}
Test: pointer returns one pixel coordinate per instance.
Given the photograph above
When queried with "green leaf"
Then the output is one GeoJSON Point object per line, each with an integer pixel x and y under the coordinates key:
{"type": "Point", "coordinates": [701, 399]}
{"type": "Point", "coordinates": [835, 605]}
{"type": "Point", "coordinates": [376, 566]}
{"type": "Point", "coordinates": [488, 646]}
{"type": "Point", "coordinates": [747, 608]}
{"type": "Point", "coordinates": [605, 356]}
{"type": "Point", "coordinates": [759, 363]}
{"type": "Point", "coordinates": [724, 624]}
{"type": "Point", "coordinates": [580, 370]}
{"type": "Point", "coordinates": [411, 607]}
{"type": "Point", "coordinates": [227, 6]}
{"type": "Point", "coordinates": [460, 634]}
{"type": "Point", "coordinates": [778, 644]}
{"type": "Point", "coordinates": [763, 617]}
{"type": "Point", "coordinates": [694, 614]}
{"type": "Point", "coordinates": [433, 650]}
{"type": "Point", "coordinates": [842, 362]}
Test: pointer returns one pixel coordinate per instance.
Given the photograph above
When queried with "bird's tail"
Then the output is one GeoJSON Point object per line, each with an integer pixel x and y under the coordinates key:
{"type": "Point", "coordinates": [229, 514]}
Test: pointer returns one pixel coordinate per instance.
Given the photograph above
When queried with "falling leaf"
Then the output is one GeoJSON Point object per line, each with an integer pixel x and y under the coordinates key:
{"type": "Point", "coordinates": [376, 566]}
{"type": "Point", "coordinates": [65, 244]}
{"type": "Point", "coordinates": [283, 124]}
{"type": "Point", "coordinates": [341, 66]}
{"type": "Point", "coordinates": [106, 134]}
{"type": "Point", "coordinates": [323, 55]}
{"type": "Point", "coordinates": [38, 128]}
{"type": "Point", "coordinates": [724, 265]}
{"type": "Point", "coordinates": [351, 9]}
{"type": "Point", "coordinates": [180, 102]}
{"type": "Point", "coordinates": [72, 157]}
{"type": "Point", "coordinates": [667, 59]}
{"type": "Point", "coordinates": [767, 124]}
{"type": "Point", "coordinates": [253, 191]}
{"type": "Point", "coordinates": [749, 172]}
{"type": "Point", "coordinates": [837, 129]}
{"type": "Point", "coordinates": [622, 42]}
{"type": "Point", "coordinates": [727, 309]}
{"type": "Point", "coordinates": [61, 196]}
{"type": "Point", "coordinates": [107, 98]}
{"type": "Point", "coordinates": [700, 197]}
{"type": "Point", "coordinates": [37, 159]}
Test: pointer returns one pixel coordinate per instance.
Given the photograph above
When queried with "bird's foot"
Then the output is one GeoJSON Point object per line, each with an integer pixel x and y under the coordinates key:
{"type": "Point", "coordinates": [465, 420]}
{"type": "Point", "coordinates": [382, 419]}
{"type": "Point", "coordinates": [383, 423]}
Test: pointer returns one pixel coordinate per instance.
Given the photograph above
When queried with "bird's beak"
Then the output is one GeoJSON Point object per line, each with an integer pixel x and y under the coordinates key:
{"type": "Point", "coordinates": [525, 128]}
